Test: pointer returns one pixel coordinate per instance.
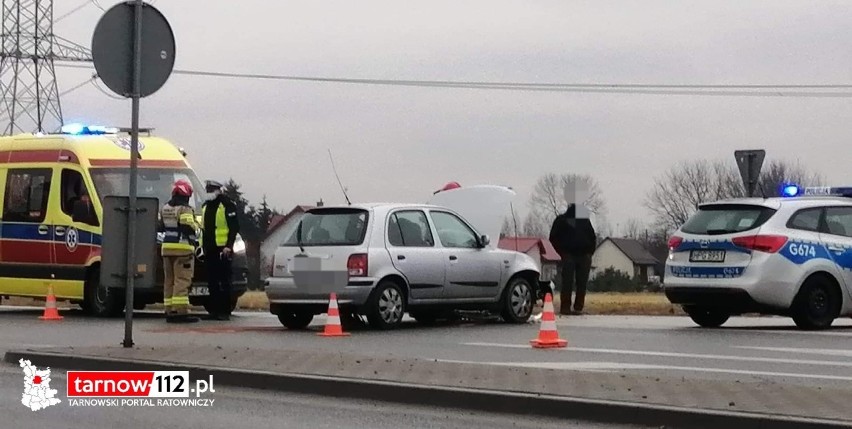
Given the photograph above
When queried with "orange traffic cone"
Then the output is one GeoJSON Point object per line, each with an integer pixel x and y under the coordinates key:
{"type": "Point", "coordinates": [333, 328]}
{"type": "Point", "coordinates": [50, 310]}
{"type": "Point", "coordinates": [548, 338]}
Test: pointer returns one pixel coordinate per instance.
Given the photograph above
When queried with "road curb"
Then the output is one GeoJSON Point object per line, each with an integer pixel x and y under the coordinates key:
{"type": "Point", "coordinates": [613, 412]}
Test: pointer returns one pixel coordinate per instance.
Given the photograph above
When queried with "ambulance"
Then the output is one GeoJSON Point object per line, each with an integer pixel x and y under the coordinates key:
{"type": "Point", "coordinates": [51, 190]}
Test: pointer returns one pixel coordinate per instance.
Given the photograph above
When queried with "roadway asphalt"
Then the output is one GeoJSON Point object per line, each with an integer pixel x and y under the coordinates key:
{"type": "Point", "coordinates": [243, 408]}
{"type": "Point", "coordinates": [766, 349]}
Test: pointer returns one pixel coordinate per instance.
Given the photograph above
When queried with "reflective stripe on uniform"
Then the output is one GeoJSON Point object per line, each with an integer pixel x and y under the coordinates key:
{"type": "Point", "coordinates": [180, 300]}
{"type": "Point", "coordinates": [184, 247]}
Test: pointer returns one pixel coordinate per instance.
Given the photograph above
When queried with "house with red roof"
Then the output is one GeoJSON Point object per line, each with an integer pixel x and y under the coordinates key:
{"type": "Point", "coordinates": [539, 249]}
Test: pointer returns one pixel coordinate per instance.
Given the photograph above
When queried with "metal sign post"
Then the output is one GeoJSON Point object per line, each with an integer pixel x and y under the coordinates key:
{"type": "Point", "coordinates": [134, 163]}
{"type": "Point", "coordinates": [128, 25]}
{"type": "Point", "coordinates": [750, 162]}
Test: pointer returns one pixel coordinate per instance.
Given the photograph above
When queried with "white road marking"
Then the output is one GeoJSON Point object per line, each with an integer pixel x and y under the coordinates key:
{"type": "Point", "coordinates": [615, 365]}
{"type": "Point", "coordinates": [773, 329]}
{"type": "Point", "coordinates": [825, 352]}
{"type": "Point", "coordinates": [678, 355]}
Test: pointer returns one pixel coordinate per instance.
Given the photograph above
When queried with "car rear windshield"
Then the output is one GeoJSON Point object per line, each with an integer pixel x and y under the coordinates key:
{"type": "Point", "coordinates": [330, 227]}
{"type": "Point", "coordinates": [727, 219]}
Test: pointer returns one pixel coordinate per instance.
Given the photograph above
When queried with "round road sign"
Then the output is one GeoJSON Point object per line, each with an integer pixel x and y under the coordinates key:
{"type": "Point", "coordinates": [112, 49]}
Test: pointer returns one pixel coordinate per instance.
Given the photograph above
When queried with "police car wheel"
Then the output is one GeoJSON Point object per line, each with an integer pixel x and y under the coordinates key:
{"type": "Point", "coordinates": [817, 304]}
{"type": "Point", "coordinates": [707, 317]}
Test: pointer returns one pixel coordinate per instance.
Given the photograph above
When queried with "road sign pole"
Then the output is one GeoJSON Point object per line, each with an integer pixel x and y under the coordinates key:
{"type": "Point", "coordinates": [750, 162]}
{"type": "Point", "coordinates": [134, 156]}
{"type": "Point", "coordinates": [117, 49]}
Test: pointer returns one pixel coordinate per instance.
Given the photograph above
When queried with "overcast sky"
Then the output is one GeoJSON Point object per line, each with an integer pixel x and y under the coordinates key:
{"type": "Point", "coordinates": [400, 143]}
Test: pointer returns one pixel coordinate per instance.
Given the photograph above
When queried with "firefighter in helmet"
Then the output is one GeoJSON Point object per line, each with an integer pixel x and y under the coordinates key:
{"type": "Point", "coordinates": [177, 222]}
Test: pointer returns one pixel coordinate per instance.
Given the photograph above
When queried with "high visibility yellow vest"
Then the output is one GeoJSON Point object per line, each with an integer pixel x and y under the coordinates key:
{"type": "Point", "coordinates": [176, 241]}
{"type": "Point", "coordinates": [222, 229]}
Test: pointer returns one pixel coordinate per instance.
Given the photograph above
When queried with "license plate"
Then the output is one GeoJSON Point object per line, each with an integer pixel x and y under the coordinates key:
{"type": "Point", "coordinates": [199, 291]}
{"type": "Point", "coordinates": [707, 256]}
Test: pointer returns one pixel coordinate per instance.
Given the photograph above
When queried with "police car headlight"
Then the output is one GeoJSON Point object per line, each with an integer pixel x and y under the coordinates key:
{"type": "Point", "coordinates": [239, 245]}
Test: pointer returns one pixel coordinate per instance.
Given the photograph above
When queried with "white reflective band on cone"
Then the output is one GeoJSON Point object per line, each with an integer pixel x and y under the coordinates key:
{"type": "Point", "coordinates": [548, 325]}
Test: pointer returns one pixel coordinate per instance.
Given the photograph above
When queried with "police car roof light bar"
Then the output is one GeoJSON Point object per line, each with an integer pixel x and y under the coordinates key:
{"type": "Point", "coordinates": [839, 191]}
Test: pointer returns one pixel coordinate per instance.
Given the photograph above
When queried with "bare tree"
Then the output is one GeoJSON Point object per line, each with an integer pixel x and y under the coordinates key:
{"type": "Point", "coordinates": [548, 200]}
{"type": "Point", "coordinates": [634, 229]}
{"type": "Point", "coordinates": [536, 226]}
{"type": "Point", "coordinates": [778, 173]}
{"type": "Point", "coordinates": [680, 190]}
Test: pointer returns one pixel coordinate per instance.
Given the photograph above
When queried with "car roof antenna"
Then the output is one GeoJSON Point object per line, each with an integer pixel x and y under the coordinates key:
{"type": "Point", "coordinates": [342, 189]}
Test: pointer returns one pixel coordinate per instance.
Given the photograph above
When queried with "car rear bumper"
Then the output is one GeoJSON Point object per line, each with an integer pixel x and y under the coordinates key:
{"type": "Point", "coordinates": [733, 300]}
{"type": "Point", "coordinates": [283, 290]}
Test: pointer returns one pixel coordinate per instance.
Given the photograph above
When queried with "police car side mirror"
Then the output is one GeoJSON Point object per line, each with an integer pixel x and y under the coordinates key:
{"type": "Point", "coordinates": [84, 212]}
{"type": "Point", "coordinates": [484, 240]}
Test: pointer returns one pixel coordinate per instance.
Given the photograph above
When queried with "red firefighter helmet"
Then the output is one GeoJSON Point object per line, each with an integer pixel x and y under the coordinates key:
{"type": "Point", "coordinates": [183, 188]}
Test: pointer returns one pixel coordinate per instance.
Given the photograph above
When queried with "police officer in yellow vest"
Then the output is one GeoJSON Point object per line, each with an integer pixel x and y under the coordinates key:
{"type": "Point", "coordinates": [220, 231]}
{"type": "Point", "coordinates": [177, 222]}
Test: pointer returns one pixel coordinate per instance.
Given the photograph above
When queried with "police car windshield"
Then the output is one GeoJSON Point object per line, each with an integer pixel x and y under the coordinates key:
{"type": "Point", "coordinates": [152, 182]}
{"type": "Point", "coordinates": [726, 219]}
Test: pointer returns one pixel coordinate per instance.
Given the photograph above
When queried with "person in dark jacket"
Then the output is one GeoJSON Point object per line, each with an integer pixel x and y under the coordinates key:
{"type": "Point", "coordinates": [220, 229]}
{"type": "Point", "coordinates": [575, 240]}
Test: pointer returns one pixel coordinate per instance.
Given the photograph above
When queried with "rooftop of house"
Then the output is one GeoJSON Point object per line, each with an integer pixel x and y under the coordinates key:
{"type": "Point", "coordinates": [525, 244]}
{"type": "Point", "coordinates": [634, 250]}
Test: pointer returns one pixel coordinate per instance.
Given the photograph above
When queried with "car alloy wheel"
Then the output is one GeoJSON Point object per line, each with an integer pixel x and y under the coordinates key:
{"type": "Point", "coordinates": [517, 302]}
{"type": "Point", "coordinates": [521, 299]}
{"type": "Point", "coordinates": [390, 306]}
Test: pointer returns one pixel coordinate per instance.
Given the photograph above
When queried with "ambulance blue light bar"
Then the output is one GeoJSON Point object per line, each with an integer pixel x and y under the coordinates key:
{"type": "Point", "coordinates": [87, 130]}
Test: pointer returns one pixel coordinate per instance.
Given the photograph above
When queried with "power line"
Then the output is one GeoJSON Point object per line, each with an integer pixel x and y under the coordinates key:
{"type": "Point", "coordinates": [72, 11]}
{"type": "Point", "coordinates": [728, 90]}
{"type": "Point", "coordinates": [61, 94]}
{"type": "Point", "coordinates": [105, 92]}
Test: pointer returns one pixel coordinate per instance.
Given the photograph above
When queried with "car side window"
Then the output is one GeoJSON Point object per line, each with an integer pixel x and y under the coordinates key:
{"type": "Point", "coordinates": [838, 221]}
{"type": "Point", "coordinates": [807, 219]}
{"type": "Point", "coordinates": [27, 192]}
{"type": "Point", "coordinates": [410, 228]}
{"type": "Point", "coordinates": [453, 232]}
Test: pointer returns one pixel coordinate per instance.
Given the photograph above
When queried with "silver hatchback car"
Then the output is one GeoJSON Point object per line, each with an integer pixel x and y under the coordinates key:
{"type": "Point", "coordinates": [385, 260]}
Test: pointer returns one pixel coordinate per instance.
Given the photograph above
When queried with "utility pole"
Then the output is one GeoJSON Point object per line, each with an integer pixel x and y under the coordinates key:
{"type": "Point", "coordinates": [30, 97]}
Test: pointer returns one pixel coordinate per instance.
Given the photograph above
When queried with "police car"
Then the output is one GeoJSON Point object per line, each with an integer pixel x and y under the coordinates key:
{"type": "Point", "coordinates": [788, 256]}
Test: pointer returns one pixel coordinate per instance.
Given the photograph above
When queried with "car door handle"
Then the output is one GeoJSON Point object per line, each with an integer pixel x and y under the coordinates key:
{"type": "Point", "coordinates": [59, 230]}
{"type": "Point", "coordinates": [836, 249]}
{"type": "Point", "coordinates": [43, 229]}
{"type": "Point", "coordinates": [400, 257]}
{"type": "Point", "coordinates": [453, 258]}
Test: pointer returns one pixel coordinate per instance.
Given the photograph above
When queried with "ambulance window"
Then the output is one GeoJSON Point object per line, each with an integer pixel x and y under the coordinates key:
{"type": "Point", "coordinates": [73, 190]}
{"type": "Point", "coordinates": [27, 192]}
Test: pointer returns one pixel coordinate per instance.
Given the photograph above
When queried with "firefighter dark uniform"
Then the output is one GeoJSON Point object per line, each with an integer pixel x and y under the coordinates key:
{"type": "Point", "coordinates": [177, 222]}
{"type": "Point", "coordinates": [220, 230]}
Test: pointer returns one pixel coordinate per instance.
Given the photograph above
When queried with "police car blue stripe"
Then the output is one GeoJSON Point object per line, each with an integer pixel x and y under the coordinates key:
{"type": "Point", "coordinates": [707, 272]}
